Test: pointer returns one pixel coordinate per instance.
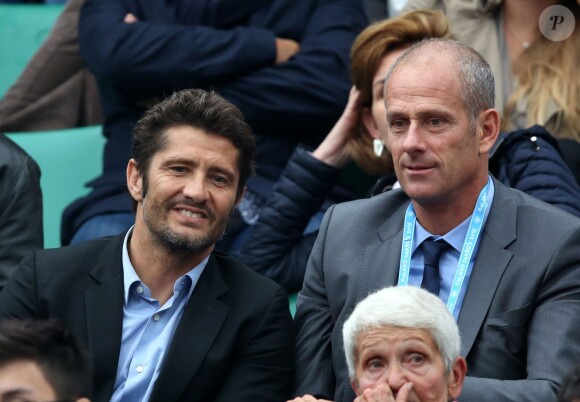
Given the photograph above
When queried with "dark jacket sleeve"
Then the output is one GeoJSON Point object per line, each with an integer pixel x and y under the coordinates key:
{"type": "Point", "coordinates": [20, 207]}
{"type": "Point", "coordinates": [312, 86]}
{"type": "Point", "coordinates": [264, 368]}
{"type": "Point", "coordinates": [529, 160]}
{"type": "Point", "coordinates": [161, 52]}
{"type": "Point", "coordinates": [278, 247]}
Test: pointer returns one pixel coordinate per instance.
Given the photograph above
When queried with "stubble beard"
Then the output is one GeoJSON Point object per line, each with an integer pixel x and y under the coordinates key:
{"type": "Point", "coordinates": [179, 243]}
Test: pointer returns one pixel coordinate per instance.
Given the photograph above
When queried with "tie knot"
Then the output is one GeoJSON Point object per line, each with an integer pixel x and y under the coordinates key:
{"type": "Point", "coordinates": [432, 250]}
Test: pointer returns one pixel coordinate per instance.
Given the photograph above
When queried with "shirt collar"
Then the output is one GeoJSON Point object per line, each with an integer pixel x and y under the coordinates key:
{"type": "Point", "coordinates": [456, 236]}
{"type": "Point", "coordinates": [130, 276]}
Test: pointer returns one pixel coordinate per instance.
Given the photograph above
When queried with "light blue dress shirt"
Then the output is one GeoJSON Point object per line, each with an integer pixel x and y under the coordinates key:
{"type": "Point", "coordinates": [450, 258]}
{"type": "Point", "coordinates": [148, 329]}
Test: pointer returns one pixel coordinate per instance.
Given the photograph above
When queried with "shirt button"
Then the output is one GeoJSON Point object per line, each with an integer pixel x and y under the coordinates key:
{"type": "Point", "coordinates": [139, 289]}
{"type": "Point", "coordinates": [139, 368]}
{"type": "Point", "coordinates": [156, 317]}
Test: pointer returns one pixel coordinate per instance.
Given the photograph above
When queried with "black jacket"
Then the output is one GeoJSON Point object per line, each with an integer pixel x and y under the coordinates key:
{"type": "Point", "coordinates": [234, 341]}
{"type": "Point", "coordinates": [20, 207]}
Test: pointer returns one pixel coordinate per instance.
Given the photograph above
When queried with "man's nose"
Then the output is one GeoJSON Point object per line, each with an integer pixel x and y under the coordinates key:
{"type": "Point", "coordinates": [196, 188]}
{"type": "Point", "coordinates": [414, 139]}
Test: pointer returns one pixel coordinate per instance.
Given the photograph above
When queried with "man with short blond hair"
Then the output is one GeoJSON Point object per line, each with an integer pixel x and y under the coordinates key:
{"type": "Point", "coordinates": [507, 265]}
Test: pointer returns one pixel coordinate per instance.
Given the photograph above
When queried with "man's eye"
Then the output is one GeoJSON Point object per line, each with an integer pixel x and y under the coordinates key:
{"type": "Point", "coordinates": [435, 121]}
{"type": "Point", "coordinates": [219, 179]}
{"type": "Point", "coordinates": [178, 169]}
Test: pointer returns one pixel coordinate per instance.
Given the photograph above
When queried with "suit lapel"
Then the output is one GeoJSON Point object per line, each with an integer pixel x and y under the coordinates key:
{"type": "Point", "coordinates": [202, 320]}
{"type": "Point", "coordinates": [104, 311]}
{"type": "Point", "coordinates": [384, 253]}
{"type": "Point", "coordinates": [491, 261]}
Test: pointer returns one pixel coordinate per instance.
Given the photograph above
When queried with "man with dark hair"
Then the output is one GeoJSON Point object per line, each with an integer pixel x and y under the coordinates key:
{"type": "Point", "coordinates": [166, 317]}
{"type": "Point", "coordinates": [507, 265]}
{"type": "Point", "coordinates": [41, 361]}
{"type": "Point", "coordinates": [284, 63]}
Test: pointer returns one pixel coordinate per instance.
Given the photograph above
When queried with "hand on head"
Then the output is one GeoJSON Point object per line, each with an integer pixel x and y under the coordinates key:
{"type": "Point", "coordinates": [335, 150]}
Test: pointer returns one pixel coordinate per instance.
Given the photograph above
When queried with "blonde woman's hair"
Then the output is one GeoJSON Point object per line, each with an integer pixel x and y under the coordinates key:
{"type": "Point", "coordinates": [367, 53]}
{"type": "Point", "coordinates": [548, 72]}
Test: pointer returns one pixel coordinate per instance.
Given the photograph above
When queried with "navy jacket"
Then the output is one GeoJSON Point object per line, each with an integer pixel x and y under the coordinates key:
{"type": "Point", "coordinates": [227, 45]}
{"type": "Point", "coordinates": [528, 160]}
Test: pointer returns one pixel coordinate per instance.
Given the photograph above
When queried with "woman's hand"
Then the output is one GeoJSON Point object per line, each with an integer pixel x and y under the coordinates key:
{"type": "Point", "coordinates": [335, 150]}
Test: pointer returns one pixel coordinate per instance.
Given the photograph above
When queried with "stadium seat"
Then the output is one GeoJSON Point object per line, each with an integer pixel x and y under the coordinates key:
{"type": "Point", "coordinates": [67, 159]}
{"type": "Point", "coordinates": [292, 301]}
{"type": "Point", "coordinates": [23, 28]}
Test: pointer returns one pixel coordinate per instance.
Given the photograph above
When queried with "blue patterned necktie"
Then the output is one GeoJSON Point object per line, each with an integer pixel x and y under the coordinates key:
{"type": "Point", "coordinates": [432, 251]}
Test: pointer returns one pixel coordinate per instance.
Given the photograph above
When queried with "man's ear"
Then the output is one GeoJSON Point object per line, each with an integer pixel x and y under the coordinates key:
{"type": "Point", "coordinates": [488, 130]}
{"type": "Point", "coordinates": [370, 123]}
{"type": "Point", "coordinates": [134, 180]}
{"type": "Point", "coordinates": [456, 378]}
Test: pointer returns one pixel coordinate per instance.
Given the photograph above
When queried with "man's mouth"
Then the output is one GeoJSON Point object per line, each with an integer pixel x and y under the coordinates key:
{"type": "Point", "coordinates": [190, 214]}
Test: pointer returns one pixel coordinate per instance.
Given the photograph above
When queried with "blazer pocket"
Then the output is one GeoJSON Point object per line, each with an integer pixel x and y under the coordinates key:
{"type": "Point", "coordinates": [510, 318]}
{"type": "Point", "coordinates": [510, 330]}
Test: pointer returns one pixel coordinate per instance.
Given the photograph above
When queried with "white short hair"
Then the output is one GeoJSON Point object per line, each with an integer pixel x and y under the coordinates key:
{"type": "Point", "coordinates": [406, 307]}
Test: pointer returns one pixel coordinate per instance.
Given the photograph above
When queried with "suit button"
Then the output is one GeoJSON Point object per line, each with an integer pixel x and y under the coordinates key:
{"type": "Point", "coordinates": [156, 317]}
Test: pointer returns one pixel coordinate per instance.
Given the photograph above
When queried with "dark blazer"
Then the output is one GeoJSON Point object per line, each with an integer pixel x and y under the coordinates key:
{"type": "Point", "coordinates": [520, 318]}
{"type": "Point", "coordinates": [235, 340]}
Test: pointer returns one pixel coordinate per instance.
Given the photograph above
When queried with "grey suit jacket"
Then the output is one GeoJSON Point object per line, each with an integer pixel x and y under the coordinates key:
{"type": "Point", "coordinates": [520, 319]}
{"type": "Point", "coordinates": [234, 341]}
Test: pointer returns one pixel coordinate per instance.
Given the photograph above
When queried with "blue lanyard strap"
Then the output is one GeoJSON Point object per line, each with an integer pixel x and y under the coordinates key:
{"type": "Point", "coordinates": [473, 232]}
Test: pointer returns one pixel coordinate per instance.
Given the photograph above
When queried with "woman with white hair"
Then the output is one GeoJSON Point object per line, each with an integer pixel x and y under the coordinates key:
{"type": "Point", "coordinates": [402, 345]}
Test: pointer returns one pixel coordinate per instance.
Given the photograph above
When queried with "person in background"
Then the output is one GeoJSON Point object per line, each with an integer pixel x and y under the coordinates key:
{"type": "Point", "coordinates": [165, 317]}
{"type": "Point", "coordinates": [40, 360]}
{"type": "Point", "coordinates": [506, 264]}
{"type": "Point", "coordinates": [284, 234]}
{"type": "Point", "coordinates": [20, 207]}
{"type": "Point", "coordinates": [402, 344]}
{"type": "Point", "coordinates": [537, 80]}
{"type": "Point", "coordinates": [56, 89]}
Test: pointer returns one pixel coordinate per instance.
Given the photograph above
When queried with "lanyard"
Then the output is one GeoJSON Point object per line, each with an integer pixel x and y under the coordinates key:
{"type": "Point", "coordinates": [469, 243]}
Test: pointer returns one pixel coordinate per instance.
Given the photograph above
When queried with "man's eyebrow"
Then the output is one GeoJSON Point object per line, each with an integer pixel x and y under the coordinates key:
{"type": "Point", "coordinates": [15, 392]}
{"type": "Point", "coordinates": [212, 168]}
{"type": "Point", "coordinates": [219, 169]}
{"type": "Point", "coordinates": [391, 115]}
